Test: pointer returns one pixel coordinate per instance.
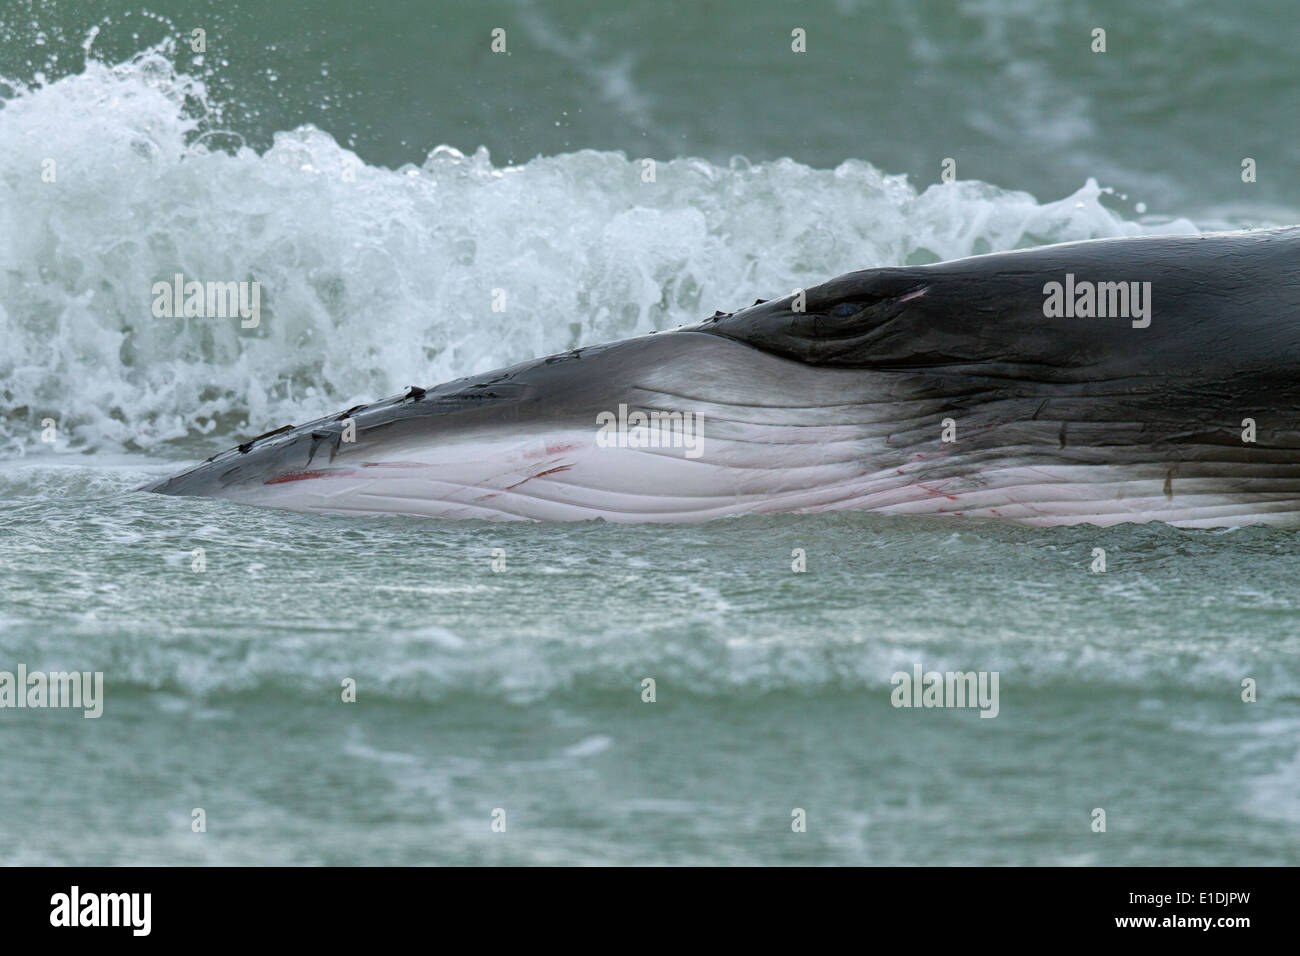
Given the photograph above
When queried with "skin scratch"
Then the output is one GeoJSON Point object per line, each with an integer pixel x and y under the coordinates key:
{"type": "Point", "coordinates": [540, 474]}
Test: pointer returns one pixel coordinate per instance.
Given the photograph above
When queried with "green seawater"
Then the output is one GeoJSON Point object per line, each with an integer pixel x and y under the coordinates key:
{"type": "Point", "coordinates": [522, 689]}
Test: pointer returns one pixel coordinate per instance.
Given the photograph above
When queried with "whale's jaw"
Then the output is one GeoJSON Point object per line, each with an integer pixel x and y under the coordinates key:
{"type": "Point", "coordinates": [559, 439]}
{"type": "Point", "coordinates": [774, 435]}
{"type": "Point", "coordinates": [942, 390]}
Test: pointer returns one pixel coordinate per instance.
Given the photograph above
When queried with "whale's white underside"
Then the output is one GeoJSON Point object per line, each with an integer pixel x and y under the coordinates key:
{"type": "Point", "coordinates": [566, 476]}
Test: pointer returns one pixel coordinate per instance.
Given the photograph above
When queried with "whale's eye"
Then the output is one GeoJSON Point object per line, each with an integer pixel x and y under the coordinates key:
{"type": "Point", "coordinates": [844, 309]}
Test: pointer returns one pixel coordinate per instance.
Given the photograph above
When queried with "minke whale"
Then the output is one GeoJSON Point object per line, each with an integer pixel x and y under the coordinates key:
{"type": "Point", "coordinates": [1139, 379]}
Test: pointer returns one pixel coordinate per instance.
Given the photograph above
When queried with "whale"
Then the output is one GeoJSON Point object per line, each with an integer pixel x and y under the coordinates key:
{"type": "Point", "coordinates": [1132, 379]}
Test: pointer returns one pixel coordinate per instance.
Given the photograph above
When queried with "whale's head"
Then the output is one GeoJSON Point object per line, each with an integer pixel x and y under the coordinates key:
{"type": "Point", "coordinates": [1101, 381]}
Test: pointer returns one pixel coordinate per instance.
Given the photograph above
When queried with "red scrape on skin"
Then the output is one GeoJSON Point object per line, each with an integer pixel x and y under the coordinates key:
{"type": "Point", "coordinates": [552, 449]}
{"type": "Point", "coordinates": [294, 476]}
{"type": "Point", "coordinates": [935, 491]}
{"type": "Point", "coordinates": [540, 474]}
{"type": "Point", "coordinates": [308, 475]}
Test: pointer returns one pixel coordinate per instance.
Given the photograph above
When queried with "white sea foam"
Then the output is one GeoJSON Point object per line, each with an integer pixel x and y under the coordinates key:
{"type": "Point", "coordinates": [386, 280]}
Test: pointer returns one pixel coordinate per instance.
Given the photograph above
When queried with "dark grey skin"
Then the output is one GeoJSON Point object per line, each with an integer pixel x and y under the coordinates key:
{"type": "Point", "coordinates": [965, 340]}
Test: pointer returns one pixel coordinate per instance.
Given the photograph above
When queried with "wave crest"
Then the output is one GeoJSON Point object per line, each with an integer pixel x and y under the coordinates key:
{"type": "Point", "coordinates": [373, 278]}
